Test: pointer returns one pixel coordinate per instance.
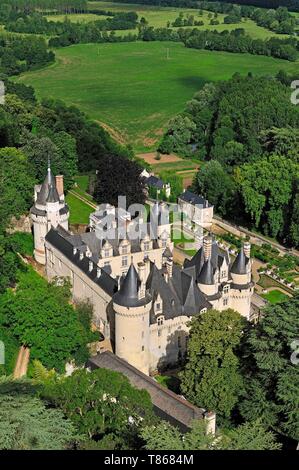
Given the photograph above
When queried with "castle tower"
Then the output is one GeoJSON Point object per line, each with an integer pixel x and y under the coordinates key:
{"type": "Point", "coordinates": [49, 209]}
{"type": "Point", "coordinates": [242, 286]}
{"type": "Point", "coordinates": [132, 306]}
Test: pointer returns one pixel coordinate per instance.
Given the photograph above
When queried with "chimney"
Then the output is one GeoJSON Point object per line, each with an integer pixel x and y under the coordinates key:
{"type": "Point", "coordinates": [207, 247]}
{"type": "Point", "coordinates": [246, 248]}
{"type": "Point", "coordinates": [169, 266]}
{"type": "Point", "coordinates": [59, 185]}
{"type": "Point", "coordinates": [210, 420]}
{"type": "Point", "coordinates": [142, 277]}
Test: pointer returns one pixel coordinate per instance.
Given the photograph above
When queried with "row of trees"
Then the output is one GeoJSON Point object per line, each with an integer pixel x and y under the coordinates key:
{"type": "Point", "coordinates": [38, 24]}
{"type": "Point", "coordinates": [238, 41]}
{"type": "Point", "coordinates": [28, 6]}
{"type": "Point", "coordinates": [247, 131]}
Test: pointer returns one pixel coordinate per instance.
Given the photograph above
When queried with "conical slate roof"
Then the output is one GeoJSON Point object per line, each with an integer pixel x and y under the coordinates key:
{"type": "Point", "coordinates": [53, 194]}
{"type": "Point", "coordinates": [127, 295]}
{"type": "Point", "coordinates": [43, 194]}
{"type": "Point", "coordinates": [206, 274]}
{"type": "Point", "coordinates": [239, 265]}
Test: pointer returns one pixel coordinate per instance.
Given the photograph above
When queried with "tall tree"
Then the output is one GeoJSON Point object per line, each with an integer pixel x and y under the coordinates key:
{"type": "Point", "coordinates": [271, 375]}
{"type": "Point", "coordinates": [211, 377]}
{"type": "Point", "coordinates": [118, 176]}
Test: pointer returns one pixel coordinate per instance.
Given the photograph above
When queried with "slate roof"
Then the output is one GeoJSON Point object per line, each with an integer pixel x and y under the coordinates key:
{"type": "Point", "coordinates": [180, 295]}
{"type": "Point", "coordinates": [167, 405]}
{"type": "Point", "coordinates": [194, 199]}
{"type": "Point", "coordinates": [49, 185]}
{"type": "Point", "coordinates": [62, 240]}
{"type": "Point", "coordinates": [207, 273]}
{"type": "Point", "coordinates": [127, 295]}
{"type": "Point", "coordinates": [239, 266]}
{"type": "Point", "coordinates": [155, 182]}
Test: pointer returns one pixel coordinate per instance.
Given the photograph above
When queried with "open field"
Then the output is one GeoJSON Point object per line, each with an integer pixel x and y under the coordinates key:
{"type": "Point", "coordinates": [159, 17]}
{"type": "Point", "coordinates": [78, 18]}
{"type": "Point", "coordinates": [134, 88]}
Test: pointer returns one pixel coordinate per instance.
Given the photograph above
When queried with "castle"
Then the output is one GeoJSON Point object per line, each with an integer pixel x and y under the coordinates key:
{"type": "Point", "coordinates": [143, 302]}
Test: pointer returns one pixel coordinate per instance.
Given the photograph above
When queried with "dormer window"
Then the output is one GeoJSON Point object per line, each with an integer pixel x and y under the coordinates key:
{"type": "Point", "coordinates": [106, 253]}
{"type": "Point", "coordinates": [203, 310]}
{"type": "Point", "coordinates": [223, 273]}
{"type": "Point", "coordinates": [124, 250]}
{"type": "Point", "coordinates": [160, 321]}
{"type": "Point", "coordinates": [226, 289]}
{"type": "Point", "coordinates": [74, 251]}
{"type": "Point", "coordinates": [146, 246]}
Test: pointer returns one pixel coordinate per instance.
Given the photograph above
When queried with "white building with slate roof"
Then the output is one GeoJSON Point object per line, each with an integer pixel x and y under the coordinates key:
{"type": "Point", "coordinates": [142, 301]}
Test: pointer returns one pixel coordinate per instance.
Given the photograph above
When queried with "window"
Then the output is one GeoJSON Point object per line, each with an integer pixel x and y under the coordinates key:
{"type": "Point", "coordinates": [107, 253]}
{"type": "Point", "coordinates": [142, 348]}
{"type": "Point", "coordinates": [124, 261]}
{"type": "Point", "coordinates": [223, 273]}
{"type": "Point", "coordinates": [226, 289]}
{"type": "Point", "coordinates": [160, 321]}
{"type": "Point", "coordinates": [179, 341]}
{"type": "Point", "coordinates": [159, 332]}
{"type": "Point", "coordinates": [106, 263]}
{"type": "Point", "coordinates": [225, 302]}
{"type": "Point", "coordinates": [142, 334]}
{"type": "Point", "coordinates": [146, 246]}
{"type": "Point", "coordinates": [203, 310]}
{"type": "Point", "coordinates": [158, 306]}
{"type": "Point", "coordinates": [124, 250]}
{"type": "Point", "coordinates": [164, 243]}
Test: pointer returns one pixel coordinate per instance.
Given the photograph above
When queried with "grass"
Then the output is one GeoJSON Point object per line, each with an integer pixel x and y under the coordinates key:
{"type": "Point", "coordinates": [133, 88]}
{"type": "Point", "coordinates": [275, 296]}
{"type": "Point", "coordinates": [159, 16]}
{"type": "Point", "coordinates": [79, 211]}
{"type": "Point", "coordinates": [267, 281]}
{"type": "Point", "coordinates": [79, 18]}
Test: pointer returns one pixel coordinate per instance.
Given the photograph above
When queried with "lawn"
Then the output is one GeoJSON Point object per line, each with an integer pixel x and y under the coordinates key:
{"type": "Point", "coordinates": [133, 88]}
{"type": "Point", "coordinates": [275, 296]}
{"type": "Point", "coordinates": [79, 211]}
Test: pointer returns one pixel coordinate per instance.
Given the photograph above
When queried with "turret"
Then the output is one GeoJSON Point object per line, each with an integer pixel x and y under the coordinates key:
{"type": "Point", "coordinates": [241, 267]}
{"type": "Point", "coordinates": [132, 306]}
{"type": "Point", "coordinates": [49, 210]}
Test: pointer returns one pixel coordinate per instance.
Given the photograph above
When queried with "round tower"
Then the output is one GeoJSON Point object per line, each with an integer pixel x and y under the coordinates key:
{"type": "Point", "coordinates": [49, 210]}
{"type": "Point", "coordinates": [242, 286]}
{"type": "Point", "coordinates": [132, 306]}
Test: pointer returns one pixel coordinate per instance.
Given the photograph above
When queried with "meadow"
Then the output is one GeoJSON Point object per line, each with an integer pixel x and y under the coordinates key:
{"type": "Point", "coordinates": [160, 16]}
{"type": "Point", "coordinates": [133, 88]}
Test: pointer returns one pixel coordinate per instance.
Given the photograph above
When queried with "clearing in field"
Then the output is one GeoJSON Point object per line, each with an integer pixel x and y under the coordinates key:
{"type": "Point", "coordinates": [135, 88]}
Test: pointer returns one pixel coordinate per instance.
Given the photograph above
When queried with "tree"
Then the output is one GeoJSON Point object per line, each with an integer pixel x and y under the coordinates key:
{"type": "Point", "coordinates": [16, 184]}
{"type": "Point", "coordinates": [282, 141]}
{"type": "Point", "coordinates": [100, 402]}
{"type": "Point", "coordinates": [118, 176]}
{"type": "Point", "coordinates": [50, 325]}
{"type": "Point", "coordinates": [294, 226]}
{"type": "Point", "coordinates": [271, 379]}
{"type": "Point", "coordinates": [266, 187]}
{"type": "Point", "coordinates": [216, 185]}
{"type": "Point", "coordinates": [211, 377]}
{"type": "Point", "coordinates": [26, 424]}
{"type": "Point", "coordinates": [249, 436]}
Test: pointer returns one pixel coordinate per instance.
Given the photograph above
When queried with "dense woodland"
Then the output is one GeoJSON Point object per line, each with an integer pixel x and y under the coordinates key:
{"type": "Point", "coordinates": [246, 131]}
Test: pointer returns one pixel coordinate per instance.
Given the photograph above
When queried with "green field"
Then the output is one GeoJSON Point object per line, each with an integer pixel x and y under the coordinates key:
{"type": "Point", "coordinates": [159, 16]}
{"type": "Point", "coordinates": [79, 211]}
{"type": "Point", "coordinates": [133, 88]}
{"type": "Point", "coordinates": [275, 296]}
{"type": "Point", "coordinates": [78, 18]}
